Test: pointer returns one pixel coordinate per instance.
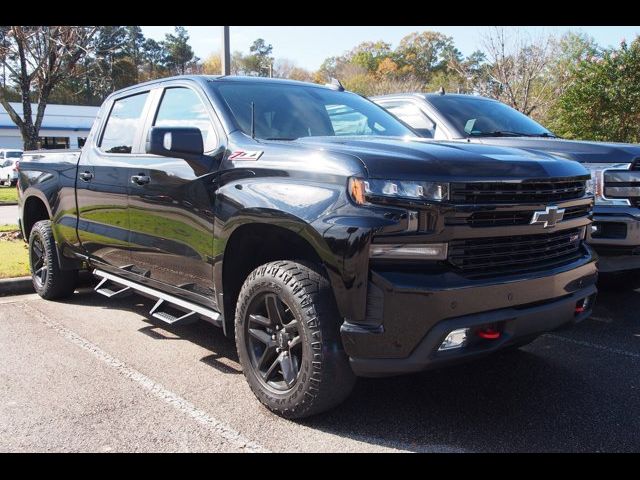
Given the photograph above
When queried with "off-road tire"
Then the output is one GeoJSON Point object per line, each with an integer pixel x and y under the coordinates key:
{"type": "Point", "coordinates": [57, 283]}
{"type": "Point", "coordinates": [325, 378]}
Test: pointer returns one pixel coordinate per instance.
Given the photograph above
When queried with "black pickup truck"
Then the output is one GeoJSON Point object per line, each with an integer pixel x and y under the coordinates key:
{"type": "Point", "coordinates": [614, 167]}
{"type": "Point", "coordinates": [312, 225]}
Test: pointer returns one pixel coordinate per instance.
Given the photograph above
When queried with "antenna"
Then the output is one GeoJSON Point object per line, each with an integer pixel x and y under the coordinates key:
{"type": "Point", "coordinates": [335, 84]}
{"type": "Point", "coordinates": [253, 120]}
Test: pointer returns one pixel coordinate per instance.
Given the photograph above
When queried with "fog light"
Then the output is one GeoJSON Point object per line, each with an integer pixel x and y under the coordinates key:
{"type": "Point", "coordinates": [455, 339]}
{"type": "Point", "coordinates": [409, 251]}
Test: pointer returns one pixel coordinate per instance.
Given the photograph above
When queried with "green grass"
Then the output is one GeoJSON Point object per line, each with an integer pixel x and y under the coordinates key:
{"type": "Point", "coordinates": [14, 256]}
{"type": "Point", "coordinates": [8, 195]}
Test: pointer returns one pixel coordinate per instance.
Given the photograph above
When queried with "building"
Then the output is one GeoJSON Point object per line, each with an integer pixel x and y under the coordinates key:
{"type": "Point", "coordinates": [63, 126]}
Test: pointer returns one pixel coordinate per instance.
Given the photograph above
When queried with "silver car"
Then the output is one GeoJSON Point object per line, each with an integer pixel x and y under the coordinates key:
{"type": "Point", "coordinates": [8, 167]}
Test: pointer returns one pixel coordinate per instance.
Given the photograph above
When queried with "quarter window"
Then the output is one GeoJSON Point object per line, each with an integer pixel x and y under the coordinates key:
{"type": "Point", "coordinates": [181, 107]}
{"type": "Point", "coordinates": [123, 123]}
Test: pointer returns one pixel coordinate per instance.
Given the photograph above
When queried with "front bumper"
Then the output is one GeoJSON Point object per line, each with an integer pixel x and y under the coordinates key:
{"type": "Point", "coordinates": [617, 238]}
{"type": "Point", "coordinates": [419, 310]}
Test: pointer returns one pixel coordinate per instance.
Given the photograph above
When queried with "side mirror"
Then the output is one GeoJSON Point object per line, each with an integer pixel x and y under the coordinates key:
{"type": "Point", "coordinates": [180, 142]}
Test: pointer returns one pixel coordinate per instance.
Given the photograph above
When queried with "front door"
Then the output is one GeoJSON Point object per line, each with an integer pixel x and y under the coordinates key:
{"type": "Point", "coordinates": [103, 182]}
{"type": "Point", "coordinates": [171, 203]}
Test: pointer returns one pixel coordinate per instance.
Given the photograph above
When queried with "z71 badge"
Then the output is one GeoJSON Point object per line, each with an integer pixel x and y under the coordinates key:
{"type": "Point", "coordinates": [245, 155]}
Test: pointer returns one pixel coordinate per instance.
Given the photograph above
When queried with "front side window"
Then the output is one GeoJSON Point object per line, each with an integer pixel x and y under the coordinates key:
{"type": "Point", "coordinates": [289, 111]}
{"type": "Point", "coordinates": [123, 123]}
{"type": "Point", "coordinates": [181, 107]}
{"type": "Point", "coordinates": [7, 163]}
{"type": "Point", "coordinates": [479, 117]}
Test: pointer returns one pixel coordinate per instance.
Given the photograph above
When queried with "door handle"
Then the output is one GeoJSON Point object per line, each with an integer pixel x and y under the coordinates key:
{"type": "Point", "coordinates": [140, 179]}
{"type": "Point", "coordinates": [86, 176]}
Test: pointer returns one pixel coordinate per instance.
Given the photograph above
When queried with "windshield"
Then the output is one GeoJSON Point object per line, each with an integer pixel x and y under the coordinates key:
{"type": "Point", "coordinates": [287, 112]}
{"type": "Point", "coordinates": [13, 154]}
{"type": "Point", "coordinates": [480, 117]}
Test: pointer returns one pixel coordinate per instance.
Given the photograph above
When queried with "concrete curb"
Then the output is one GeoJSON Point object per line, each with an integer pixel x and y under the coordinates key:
{"type": "Point", "coordinates": [15, 286]}
{"type": "Point", "coordinates": [22, 285]}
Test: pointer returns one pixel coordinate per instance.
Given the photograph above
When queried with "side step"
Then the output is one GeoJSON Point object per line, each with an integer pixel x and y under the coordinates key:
{"type": "Point", "coordinates": [111, 289]}
{"type": "Point", "coordinates": [190, 311]}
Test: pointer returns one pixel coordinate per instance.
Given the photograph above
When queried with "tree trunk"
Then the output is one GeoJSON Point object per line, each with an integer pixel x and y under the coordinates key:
{"type": "Point", "coordinates": [30, 138]}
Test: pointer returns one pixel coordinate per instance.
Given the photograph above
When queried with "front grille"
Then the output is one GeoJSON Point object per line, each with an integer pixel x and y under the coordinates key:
{"type": "Point", "coordinates": [503, 219]}
{"type": "Point", "coordinates": [506, 255]}
{"type": "Point", "coordinates": [622, 184]}
{"type": "Point", "coordinates": [526, 192]}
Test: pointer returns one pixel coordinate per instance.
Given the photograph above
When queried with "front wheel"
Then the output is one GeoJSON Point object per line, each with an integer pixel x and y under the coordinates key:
{"type": "Point", "coordinates": [49, 281]}
{"type": "Point", "coordinates": [288, 340]}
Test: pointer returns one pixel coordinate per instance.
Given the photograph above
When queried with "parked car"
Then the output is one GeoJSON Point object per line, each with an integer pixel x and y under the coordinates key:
{"type": "Point", "coordinates": [614, 167]}
{"type": "Point", "coordinates": [8, 166]}
{"type": "Point", "coordinates": [314, 227]}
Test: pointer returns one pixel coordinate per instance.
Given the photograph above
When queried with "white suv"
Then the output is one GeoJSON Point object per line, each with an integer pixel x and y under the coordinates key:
{"type": "Point", "coordinates": [8, 167]}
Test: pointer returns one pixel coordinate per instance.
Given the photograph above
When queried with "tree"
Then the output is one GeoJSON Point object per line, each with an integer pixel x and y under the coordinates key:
{"type": "Point", "coordinates": [259, 61]}
{"type": "Point", "coordinates": [134, 46]}
{"type": "Point", "coordinates": [178, 51]}
{"type": "Point", "coordinates": [518, 69]}
{"type": "Point", "coordinates": [154, 56]}
{"type": "Point", "coordinates": [473, 74]}
{"type": "Point", "coordinates": [38, 59]}
{"type": "Point", "coordinates": [369, 55]}
{"type": "Point", "coordinates": [602, 101]}
{"type": "Point", "coordinates": [212, 65]}
{"type": "Point", "coordinates": [422, 54]}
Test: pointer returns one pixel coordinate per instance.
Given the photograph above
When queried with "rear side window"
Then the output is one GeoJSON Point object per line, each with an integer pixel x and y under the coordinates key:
{"type": "Point", "coordinates": [413, 116]}
{"type": "Point", "coordinates": [181, 107]}
{"type": "Point", "coordinates": [123, 123]}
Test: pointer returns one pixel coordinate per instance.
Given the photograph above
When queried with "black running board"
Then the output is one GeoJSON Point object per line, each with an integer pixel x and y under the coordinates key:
{"type": "Point", "coordinates": [192, 311]}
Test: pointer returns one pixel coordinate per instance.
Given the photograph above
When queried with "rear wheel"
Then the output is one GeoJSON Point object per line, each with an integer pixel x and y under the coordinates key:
{"type": "Point", "coordinates": [288, 340]}
{"type": "Point", "coordinates": [49, 281]}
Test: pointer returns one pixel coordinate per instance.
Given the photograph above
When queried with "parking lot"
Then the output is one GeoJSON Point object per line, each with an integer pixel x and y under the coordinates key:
{"type": "Point", "coordinates": [93, 374]}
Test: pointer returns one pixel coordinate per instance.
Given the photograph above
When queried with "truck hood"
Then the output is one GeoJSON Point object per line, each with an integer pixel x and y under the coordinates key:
{"type": "Point", "coordinates": [415, 158]}
{"type": "Point", "coordinates": [580, 151]}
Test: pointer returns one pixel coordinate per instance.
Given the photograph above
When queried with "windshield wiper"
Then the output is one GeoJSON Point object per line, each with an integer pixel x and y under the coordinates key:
{"type": "Point", "coordinates": [280, 138]}
{"type": "Point", "coordinates": [509, 133]}
{"type": "Point", "coordinates": [499, 133]}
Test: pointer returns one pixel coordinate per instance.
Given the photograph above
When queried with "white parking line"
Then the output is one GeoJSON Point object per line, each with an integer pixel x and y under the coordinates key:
{"type": "Point", "coordinates": [167, 396]}
{"type": "Point", "coordinates": [594, 345]}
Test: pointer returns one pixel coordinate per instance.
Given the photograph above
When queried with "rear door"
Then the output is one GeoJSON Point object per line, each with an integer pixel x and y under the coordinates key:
{"type": "Point", "coordinates": [103, 181]}
{"type": "Point", "coordinates": [171, 200]}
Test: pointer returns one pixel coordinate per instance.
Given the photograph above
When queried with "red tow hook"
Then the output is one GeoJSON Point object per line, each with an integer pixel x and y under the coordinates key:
{"type": "Point", "coordinates": [488, 333]}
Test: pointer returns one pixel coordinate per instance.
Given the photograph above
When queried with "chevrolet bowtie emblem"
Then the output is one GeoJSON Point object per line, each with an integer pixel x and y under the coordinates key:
{"type": "Point", "coordinates": [548, 217]}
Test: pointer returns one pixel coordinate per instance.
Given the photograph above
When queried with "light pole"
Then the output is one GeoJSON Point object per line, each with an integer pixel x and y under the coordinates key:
{"type": "Point", "coordinates": [225, 59]}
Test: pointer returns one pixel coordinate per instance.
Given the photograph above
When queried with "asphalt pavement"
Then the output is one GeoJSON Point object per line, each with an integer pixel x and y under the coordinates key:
{"type": "Point", "coordinates": [93, 374]}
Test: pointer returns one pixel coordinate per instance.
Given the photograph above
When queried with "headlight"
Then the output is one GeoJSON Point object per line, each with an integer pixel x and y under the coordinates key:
{"type": "Point", "coordinates": [366, 191]}
{"type": "Point", "coordinates": [595, 185]}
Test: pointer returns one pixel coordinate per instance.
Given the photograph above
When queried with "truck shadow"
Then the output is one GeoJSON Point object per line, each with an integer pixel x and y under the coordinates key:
{"type": "Point", "coordinates": [568, 391]}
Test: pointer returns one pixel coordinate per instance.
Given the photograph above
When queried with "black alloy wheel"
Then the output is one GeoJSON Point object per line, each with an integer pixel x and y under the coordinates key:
{"type": "Point", "coordinates": [274, 342]}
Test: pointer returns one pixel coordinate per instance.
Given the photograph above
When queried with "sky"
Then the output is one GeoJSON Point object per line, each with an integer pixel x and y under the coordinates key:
{"type": "Point", "coordinates": [309, 46]}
